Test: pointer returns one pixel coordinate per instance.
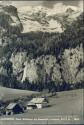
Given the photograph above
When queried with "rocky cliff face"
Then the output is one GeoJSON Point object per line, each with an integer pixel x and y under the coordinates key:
{"type": "Point", "coordinates": [9, 22]}
{"type": "Point", "coordinates": [46, 68]}
{"type": "Point", "coordinates": [9, 19]}
{"type": "Point", "coordinates": [72, 65]}
{"type": "Point", "coordinates": [42, 69]}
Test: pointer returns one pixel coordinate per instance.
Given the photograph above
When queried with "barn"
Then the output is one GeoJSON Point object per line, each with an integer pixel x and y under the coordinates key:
{"type": "Point", "coordinates": [39, 102]}
{"type": "Point", "coordinates": [14, 108]}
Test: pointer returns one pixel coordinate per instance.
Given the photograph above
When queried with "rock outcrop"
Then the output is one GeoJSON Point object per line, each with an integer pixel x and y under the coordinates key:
{"type": "Point", "coordinates": [9, 20]}
{"type": "Point", "coordinates": [47, 68]}
{"type": "Point", "coordinates": [72, 65]}
{"type": "Point", "coordinates": [42, 69]}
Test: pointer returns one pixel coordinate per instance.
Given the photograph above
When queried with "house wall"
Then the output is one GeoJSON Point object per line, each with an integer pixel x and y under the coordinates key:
{"type": "Point", "coordinates": [17, 109]}
{"type": "Point", "coordinates": [29, 107]}
{"type": "Point", "coordinates": [41, 105]}
{"type": "Point", "coordinates": [9, 112]}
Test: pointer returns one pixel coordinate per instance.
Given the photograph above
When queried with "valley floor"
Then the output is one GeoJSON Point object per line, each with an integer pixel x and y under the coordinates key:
{"type": "Point", "coordinates": [65, 108]}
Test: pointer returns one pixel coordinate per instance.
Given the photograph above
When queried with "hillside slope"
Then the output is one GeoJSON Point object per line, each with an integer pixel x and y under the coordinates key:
{"type": "Point", "coordinates": [12, 94]}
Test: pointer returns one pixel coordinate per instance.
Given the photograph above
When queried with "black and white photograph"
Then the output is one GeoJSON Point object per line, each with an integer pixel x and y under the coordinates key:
{"type": "Point", "coordinates": [41, 62]}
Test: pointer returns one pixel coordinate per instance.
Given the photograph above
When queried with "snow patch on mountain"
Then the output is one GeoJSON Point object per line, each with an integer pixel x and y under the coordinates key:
{"type": "Point", "coordinates": [45, 19]}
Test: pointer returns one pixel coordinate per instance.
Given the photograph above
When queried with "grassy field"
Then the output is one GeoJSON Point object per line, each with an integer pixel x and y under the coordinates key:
{"type": "Point", "coordinates": [11, 94]}
{"type": "Point", "coordinates": [65, 108]}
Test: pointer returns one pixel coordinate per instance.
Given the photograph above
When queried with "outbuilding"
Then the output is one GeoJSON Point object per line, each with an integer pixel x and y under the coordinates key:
{"type": "Point", "coordinates": [14, 108]}
{"type": "Point", "coordinates": [39, 102]}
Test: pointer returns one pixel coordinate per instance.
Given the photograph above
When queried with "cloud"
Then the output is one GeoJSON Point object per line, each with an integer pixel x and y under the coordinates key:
{"type": "Point", "coordinates": [59, 7]}
{"type": "Point", "coordinates": [49, 4]}
{"type": "Point", "coordinates": [80, 4]}
{"type": "Point", "coordinates": [5, 2]}
{"type": "Point", "coordinates": [21, 3]}
{"type": "Point", "coordinates": [26, 3]}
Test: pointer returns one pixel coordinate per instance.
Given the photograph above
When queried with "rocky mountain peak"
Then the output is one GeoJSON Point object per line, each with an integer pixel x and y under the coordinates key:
{"type": "Point", "coordinates": [45, 19]}
{"type": "Point", "coordinates": [9, 20]}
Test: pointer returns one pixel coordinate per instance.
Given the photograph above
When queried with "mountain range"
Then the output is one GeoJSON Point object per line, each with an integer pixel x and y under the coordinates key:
{"type": "Point", "coordinates": [41, 48]}
{"type": "Point", "coordinates": [47, 20]}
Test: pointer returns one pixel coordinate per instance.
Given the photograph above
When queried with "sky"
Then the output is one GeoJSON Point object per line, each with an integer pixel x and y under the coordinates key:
{"type": "Point", "coordinates": [46, 3]}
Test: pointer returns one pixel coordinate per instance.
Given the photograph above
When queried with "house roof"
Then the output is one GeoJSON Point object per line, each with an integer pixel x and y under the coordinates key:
{"type": "Point", "coordinates": [38, 100]}
{"type": "Point", "coordinates": [31, 104]}
{"type": "Point", "coordinates": [11, 105]}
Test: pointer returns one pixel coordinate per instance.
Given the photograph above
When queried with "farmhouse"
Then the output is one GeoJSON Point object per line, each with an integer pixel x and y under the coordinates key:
{"type": "Point", "coordinates": [31, 105]}
{"type": "Point", "coordinates": [39, 102]}
{"type": "Point", "coordinates": [14, 108]}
